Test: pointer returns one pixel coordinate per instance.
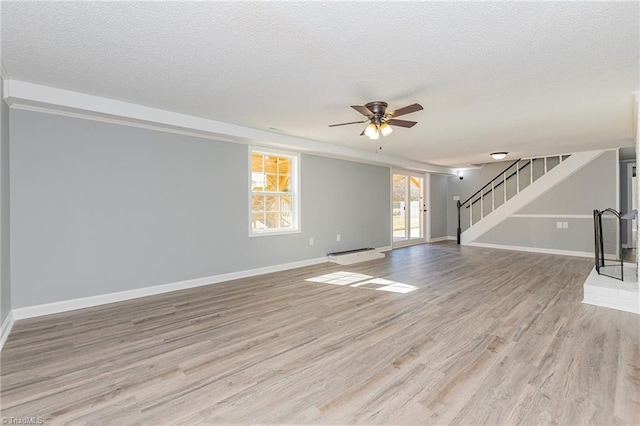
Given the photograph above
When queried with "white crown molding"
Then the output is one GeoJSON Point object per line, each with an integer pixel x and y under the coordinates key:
{"type": "Point", "coordinates": [24, 95]}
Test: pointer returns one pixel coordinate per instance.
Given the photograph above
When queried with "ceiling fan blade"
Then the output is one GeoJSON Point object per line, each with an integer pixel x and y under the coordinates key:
{"type": "Point", "coordinates": [405, 110]}
{"type": "Point", "coordinates": [362, 134]}
{"type": "Point", "coordinates": [363, 110]}
{"type": "Point", "coordinates": [401, 123]}
{"type": "Point", "coordinates": [344, 124]}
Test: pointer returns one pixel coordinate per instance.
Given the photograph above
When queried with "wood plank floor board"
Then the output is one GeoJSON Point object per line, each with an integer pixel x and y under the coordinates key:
{"type": "Point", "coordinates": [487, 337]}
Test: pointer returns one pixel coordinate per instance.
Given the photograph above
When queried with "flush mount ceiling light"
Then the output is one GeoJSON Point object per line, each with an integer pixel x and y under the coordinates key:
{"type": "Point", "coordinates": [498, 155]}
{"type": "Point", "coordinates": [380, 120]}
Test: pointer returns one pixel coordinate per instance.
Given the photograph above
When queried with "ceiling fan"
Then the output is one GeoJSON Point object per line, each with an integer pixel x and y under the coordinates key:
{"type": "Point", "coordinates": [380, 120]}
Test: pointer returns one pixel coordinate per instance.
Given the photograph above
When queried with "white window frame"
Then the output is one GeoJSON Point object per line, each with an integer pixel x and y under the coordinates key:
{"type": "Point", "coordinates": [294, 192]}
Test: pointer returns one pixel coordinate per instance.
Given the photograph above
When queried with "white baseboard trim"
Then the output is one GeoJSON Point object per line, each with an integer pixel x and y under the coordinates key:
{"type": "Point", "coordinates": [87, 302]}
{"type": "Point", "coordinates": [533, 249]}
{"type": "Point", "coordinates": [5, 329]}
{"type": "Point", "coordinates": [384, 249]}
{"type": "Point", "coordinates": [438, 239]}
{"type": "Point", "coordinates": [357, 257]}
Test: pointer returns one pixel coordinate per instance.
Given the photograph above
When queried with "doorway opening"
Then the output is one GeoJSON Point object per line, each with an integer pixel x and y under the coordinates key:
{"type": "Point", "coordinates": [408, 208]}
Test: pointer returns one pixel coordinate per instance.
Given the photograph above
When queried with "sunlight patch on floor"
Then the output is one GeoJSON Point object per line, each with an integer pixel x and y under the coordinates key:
{"type": "Point", "coordinates": [353, 279]}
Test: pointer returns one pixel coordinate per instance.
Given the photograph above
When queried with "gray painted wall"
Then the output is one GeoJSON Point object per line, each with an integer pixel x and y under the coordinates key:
{"type": "Point", "coordinates": [99, 208]}
{"type": "Point", "coordinates": [438, 205]}
{"type": "Point", "coordinates": [592, 187]}
{"type": "Point", "coordinates": [542, 233]}
{"type": "Point", "coordinates": [5, 276]}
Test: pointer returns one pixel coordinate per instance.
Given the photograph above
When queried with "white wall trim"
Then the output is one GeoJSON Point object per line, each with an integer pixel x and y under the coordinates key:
{"type": "Point", "coordinates": [409, 243]}
{"type": "Point", "coordinates": [540, 186]}
{"type": "Point", "coordinates": [20, 94]}
{"type": "Point", "coordinates": [87, 302]}
{"type": "Point", "coordinates": [384, 249]}
{"type": "Point", "coordinates": [612, 305]}
{"type": "Point", "coordinates": [438, 239]}
{"type": "Point", "coordinates": [533, 249]}
{"type": "Point", "coordinates": [553, 216]}
{"type": "Point", "coordinates": [5, 329]}
{"type": "Point", "coordinates": [601, 290]}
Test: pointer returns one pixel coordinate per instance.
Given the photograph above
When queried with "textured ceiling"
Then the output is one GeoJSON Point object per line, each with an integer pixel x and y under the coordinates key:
{"type": "Point", "coordinates": [529, 78]}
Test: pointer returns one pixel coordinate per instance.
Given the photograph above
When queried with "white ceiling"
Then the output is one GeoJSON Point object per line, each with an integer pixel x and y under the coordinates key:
{"type": "Point", "coordinates": [529, 78]}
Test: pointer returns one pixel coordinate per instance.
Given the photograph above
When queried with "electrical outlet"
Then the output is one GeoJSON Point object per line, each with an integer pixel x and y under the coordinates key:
{"type": "Point", "coordinates": [559, 225]}
{"type": "Point", "coordinates": [456, 198]}
{"type": "Point", "coordinates": [311, 241]}
{"type": "Point", "coordinates": [338, 237]}
{"type": "Point", "coordinates": [565, 225]}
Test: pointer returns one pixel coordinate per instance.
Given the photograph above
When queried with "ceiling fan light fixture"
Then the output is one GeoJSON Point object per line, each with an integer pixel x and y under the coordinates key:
{"type": "Point", "coordinates": [385, 129]}
{"type": "Point", "coordinates": [498, 155]}
{"type": "Point", "coordinates": [380, 120]}
{"type": "Point", "coordinates": [371, 131]}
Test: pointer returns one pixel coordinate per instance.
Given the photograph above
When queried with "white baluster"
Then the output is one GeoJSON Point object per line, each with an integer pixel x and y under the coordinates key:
{"type": "Point", "coordinates": [530, 171]}
{"type": "Point", "coordinates": [504, 186]}
{"type": "Point", "coordinates": [545, 165]}
{"type": "Point", "coordinates": [481, 205]}
{"type": "Point", "coordinates": [493, 196]}
{"type": "Point", "coordinates": [518, 177]}
{"type": "Point", "coordinates": [470, 214]}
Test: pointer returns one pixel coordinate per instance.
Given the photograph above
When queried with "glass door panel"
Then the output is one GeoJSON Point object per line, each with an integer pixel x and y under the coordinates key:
{"type": "Point", "coordinates": [408, 207]}
{"type": "Point", "coordinates": [398, 213]}
{"type": "Point", "coordinates": [415, 199]}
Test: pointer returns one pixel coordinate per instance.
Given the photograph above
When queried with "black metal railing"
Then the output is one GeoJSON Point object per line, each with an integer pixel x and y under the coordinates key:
{"type": "Point", "coordinates": [614, 251]}
{"type": "Point", "coordinates": [468, 203]}
{"type": "Point", "coordinates": [502, 178]}
{"type": "Point", "coordinates": [497, 185]}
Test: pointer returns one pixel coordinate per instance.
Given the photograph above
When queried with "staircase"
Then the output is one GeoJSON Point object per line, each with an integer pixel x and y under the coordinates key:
{"type": "Point", "coordinates": [520, 183]}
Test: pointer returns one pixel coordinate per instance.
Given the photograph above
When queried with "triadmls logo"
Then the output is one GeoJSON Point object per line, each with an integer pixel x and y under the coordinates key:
{"type": "Point", "coordinates": [26, 420]}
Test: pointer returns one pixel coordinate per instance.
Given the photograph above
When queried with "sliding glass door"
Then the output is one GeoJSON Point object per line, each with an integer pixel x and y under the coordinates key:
{"type": "Point", "coordinates": [408, 208]}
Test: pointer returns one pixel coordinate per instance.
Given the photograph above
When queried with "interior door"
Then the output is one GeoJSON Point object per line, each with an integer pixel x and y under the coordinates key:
{"type": "Point", "coordinates": [408, 208]}
{"type": "Point", "coordinates": [632, 203]}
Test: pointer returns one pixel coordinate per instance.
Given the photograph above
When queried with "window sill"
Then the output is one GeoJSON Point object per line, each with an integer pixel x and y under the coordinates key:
{"type": "Point", "coordinates": [274, 232]}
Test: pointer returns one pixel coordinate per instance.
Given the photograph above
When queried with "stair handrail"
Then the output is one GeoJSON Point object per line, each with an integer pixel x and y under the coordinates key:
{"type": "Point", "coordinates": [459, 204]}
{"type": "Point", "coordinates": [527, 162]}
{"type": "Point", "coordinates": [489, 183]}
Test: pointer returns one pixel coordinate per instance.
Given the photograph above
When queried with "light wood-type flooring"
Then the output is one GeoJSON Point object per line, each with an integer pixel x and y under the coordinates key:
{"type": "Point", "coordinates": [488, 337]}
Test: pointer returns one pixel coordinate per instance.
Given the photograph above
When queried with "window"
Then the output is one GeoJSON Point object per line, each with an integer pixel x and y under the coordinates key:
{"type": "Point", "coordinates": [274, 193]}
